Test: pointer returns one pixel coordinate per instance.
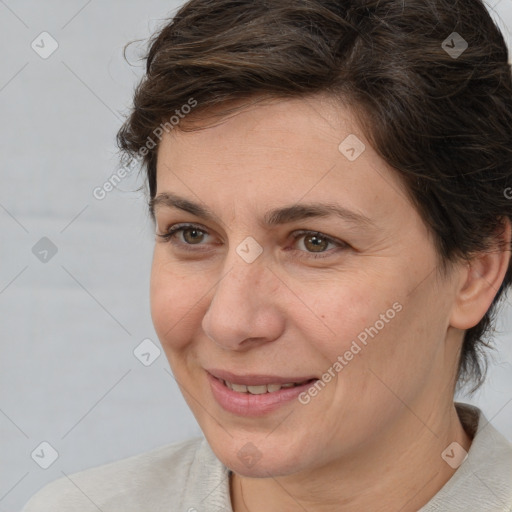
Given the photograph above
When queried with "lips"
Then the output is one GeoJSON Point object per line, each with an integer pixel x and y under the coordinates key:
{"type": "Point", "coordinates": [258, 380]}
{"type": "Point", "coordinates": [263, 388]}
{"type": "Point", "coordinates": [255, 395]}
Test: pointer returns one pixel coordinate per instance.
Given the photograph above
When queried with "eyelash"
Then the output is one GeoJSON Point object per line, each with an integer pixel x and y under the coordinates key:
{"type": "Point", "coordinates": [173, 230]}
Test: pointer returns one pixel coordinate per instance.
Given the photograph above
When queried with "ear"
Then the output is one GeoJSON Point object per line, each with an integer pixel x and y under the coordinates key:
{"type": "Point", "coordinates": [481, 279]}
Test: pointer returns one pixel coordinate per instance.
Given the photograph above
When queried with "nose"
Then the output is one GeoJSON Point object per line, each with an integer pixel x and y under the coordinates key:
{"type": "Point", "coordinates": [243, 312]}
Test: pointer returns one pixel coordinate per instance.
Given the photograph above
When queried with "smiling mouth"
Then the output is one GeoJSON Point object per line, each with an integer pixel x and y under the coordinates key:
{"type": "Point", "coordinates": [264, 388]}
{"type": "Point", "coordinates": [254, 395]}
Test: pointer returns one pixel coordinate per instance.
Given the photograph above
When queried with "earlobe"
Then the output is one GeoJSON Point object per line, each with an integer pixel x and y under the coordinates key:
{"type": "Point", "coordinates": [481, 279]}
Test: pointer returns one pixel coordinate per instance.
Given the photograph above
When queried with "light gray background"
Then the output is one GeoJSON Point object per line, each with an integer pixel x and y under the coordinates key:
{"type": "Point", "coordinates": [69, 326]}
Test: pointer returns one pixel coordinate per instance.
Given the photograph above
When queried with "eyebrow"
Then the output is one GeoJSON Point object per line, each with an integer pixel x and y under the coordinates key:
{"type": "Point", "coordinates": [273, 217]}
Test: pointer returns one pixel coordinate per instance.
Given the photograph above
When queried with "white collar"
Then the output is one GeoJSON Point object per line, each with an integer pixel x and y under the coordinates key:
{"type": "Point", "coordinates": [483, 482]}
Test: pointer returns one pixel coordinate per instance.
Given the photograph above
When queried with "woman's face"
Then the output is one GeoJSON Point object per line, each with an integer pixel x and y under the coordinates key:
{"type": "Point", "coordinates": [350, 298]}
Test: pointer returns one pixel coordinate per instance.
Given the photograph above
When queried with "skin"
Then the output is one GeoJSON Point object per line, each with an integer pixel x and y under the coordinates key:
{"type": "Point", "coordinates": [372, 438]}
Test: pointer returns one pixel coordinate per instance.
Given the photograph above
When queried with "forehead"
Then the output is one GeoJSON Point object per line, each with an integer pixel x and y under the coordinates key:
{"type": "Point", "coordinates": [283, 124]}
{"type": "Point", "coordinates": [284, 150]}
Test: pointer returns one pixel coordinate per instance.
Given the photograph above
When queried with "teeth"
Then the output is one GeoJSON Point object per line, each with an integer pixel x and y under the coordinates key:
{"type": "Point", "coordinates": [259, 390]}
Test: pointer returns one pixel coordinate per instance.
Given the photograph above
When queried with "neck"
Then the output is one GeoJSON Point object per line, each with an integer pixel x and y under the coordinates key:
{"type": "Point", "coordinates": [402, 470]}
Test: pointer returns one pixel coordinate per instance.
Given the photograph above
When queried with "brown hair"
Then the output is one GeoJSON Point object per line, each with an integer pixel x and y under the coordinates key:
{"type": "Point", "coordinates": [443, 120]}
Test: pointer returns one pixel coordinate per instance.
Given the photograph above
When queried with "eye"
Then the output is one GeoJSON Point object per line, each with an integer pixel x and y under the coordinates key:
{"type": "Point", "coordinates": [190, 234]}
{"type": "Point", "coordinates": [315, 243]}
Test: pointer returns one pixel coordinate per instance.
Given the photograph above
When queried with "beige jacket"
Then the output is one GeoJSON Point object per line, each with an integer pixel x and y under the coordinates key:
{"type": "Point", "coordinates": [188, 477]}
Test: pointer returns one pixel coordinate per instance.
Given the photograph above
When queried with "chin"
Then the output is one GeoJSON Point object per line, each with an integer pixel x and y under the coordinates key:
{"type": "Point", "coordinates": [258, 458]}
{"type": "Point", "coordinates": [262, 469]}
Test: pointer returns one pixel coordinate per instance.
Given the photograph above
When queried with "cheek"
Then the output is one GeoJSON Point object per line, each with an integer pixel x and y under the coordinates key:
{"type": "Point", "coordinates": [175, 299]}
{"type": "Point", "coordinates": [343, 311]}
{"type": "Point", "coordinates": [370, 324]}
{"type": "Point", "coordinates": [394, 358]}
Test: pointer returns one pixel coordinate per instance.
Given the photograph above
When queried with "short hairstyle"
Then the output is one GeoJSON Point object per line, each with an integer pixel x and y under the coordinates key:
{"type": "Point", "coordinates": [438, 113]}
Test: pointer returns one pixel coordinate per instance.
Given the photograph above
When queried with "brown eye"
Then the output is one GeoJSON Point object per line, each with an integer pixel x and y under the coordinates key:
{"type": "Point", "coordinates": [185, 235]}
{"type": "Point", "coordinates": [192, 235]}
{"type": "Point", "coordinates": [315, 243]}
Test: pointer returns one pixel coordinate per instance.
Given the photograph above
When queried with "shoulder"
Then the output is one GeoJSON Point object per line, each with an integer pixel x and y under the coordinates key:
{"type": "Point", "coordinates": [483, 481]}
{"type": "Point", "coordinates": [132, 484]}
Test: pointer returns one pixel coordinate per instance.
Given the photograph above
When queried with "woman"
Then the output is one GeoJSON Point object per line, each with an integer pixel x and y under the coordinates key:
{"type": "Point", "coordinates": [328, 185]}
